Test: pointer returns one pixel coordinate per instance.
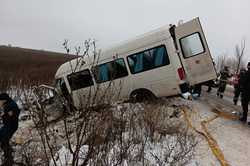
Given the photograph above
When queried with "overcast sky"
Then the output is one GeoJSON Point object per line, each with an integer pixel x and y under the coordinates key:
{"type": "Point", "coordinates": [45, 24]}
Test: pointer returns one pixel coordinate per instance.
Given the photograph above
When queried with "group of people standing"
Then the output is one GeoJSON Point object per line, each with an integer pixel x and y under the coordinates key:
{"type": "Point", "coordinates": [241, 87]}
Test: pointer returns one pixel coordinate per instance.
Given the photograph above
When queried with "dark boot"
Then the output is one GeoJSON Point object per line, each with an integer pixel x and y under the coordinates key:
{"type": "Point", "coordinates": [243, 119]}
{"type": "Point", "coordinates": [235, 102]}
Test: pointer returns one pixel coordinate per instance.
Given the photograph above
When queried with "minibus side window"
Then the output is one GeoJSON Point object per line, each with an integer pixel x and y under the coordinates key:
{"type": "Point", "coordinates": [104, 72]}
{"type": "Point", "coordinates": [110, 71]}
{"type": "Point", "coordinates": [80, 80]}
{"type": "Point", "coordinates": [192, 45]}
{"type": "Point", "coordinates": [160, 57]}
{"type": "Point", "coordinates": [148, 59]}
{"type": "Point", "coordinates": [119, 69]}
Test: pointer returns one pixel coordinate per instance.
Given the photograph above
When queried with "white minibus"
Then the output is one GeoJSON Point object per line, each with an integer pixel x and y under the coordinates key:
{"type": "Point", "coordinates": [163, 62]}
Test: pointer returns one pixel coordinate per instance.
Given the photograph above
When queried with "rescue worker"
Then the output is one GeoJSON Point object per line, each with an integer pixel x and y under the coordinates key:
{"type": "Point", "coordinates": [210, 83]}
{"type": "Point", "coordinates": [9, 114]}
{"type": "Point", "coordinates": [245, 93]}
{"type": "Point", "coordinates": [237, 83]}
{"type": "Point", "coordinates": [224, 75]}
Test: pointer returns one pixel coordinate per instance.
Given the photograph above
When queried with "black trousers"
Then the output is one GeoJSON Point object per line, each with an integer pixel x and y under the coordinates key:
{"type": "Point", "coordinates": [222, 87]}
{"type": "Point", "coordinates": [6, 132]}
{"type": "Point", "coordinates": [236, 93]}
{"type": "Point", "coordinates": [244, 103]}
{"type": "Point", "coordinates": [8, 158]}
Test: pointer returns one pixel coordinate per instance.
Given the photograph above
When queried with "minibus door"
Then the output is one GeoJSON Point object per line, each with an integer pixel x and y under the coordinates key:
{"type": "Point", "coordinates": [194, 52]}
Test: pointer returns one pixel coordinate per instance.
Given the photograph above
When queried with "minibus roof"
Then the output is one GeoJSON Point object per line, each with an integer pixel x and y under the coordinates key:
{"type": "Point", "coordinates": [149, 38]}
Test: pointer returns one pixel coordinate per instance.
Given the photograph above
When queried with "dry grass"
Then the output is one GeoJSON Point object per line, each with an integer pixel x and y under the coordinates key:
{"type": "Point", "coordinates": [117, 134]}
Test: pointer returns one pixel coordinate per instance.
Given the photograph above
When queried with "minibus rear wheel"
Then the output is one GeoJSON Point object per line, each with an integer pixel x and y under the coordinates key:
{"type": "Point", "coordinates": [142, 95]}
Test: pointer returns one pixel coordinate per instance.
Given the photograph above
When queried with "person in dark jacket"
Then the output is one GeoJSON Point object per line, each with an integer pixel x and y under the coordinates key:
{"type": "Point", "coordinates": [224, 75]}
{"type": "Point", "coordinates": [237, 84]}
{"type": "Point", "coordinates": [245, 93]}
{"type": "Point", "coordinates": [9, 114]}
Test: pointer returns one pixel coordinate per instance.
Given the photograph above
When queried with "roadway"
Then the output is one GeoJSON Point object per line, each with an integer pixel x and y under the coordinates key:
{"type": "Point", "coordinates": [230, 135]}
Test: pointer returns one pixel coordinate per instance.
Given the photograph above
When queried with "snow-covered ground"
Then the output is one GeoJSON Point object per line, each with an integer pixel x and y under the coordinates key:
{"type": "Point", "coordinates": [231, 135]}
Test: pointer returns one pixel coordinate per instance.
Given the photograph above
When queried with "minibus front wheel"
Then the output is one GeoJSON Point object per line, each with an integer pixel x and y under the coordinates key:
{"type": "Point", "coordinates": [142, 95]}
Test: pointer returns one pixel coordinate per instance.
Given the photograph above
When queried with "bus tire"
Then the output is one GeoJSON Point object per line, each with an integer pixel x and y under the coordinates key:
{"type": "Point", "coordinates": [142, 95]}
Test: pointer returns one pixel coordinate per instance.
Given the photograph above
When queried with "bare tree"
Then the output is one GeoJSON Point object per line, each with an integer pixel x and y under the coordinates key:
{"type": "Point", "coordinates": [221, 62]}
{"type": "Point", "coordinates": [239, 54]}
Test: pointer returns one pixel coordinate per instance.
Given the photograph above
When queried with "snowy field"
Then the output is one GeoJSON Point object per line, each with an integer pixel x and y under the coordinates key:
{"type": "Point", "coordinates": [230, 135]}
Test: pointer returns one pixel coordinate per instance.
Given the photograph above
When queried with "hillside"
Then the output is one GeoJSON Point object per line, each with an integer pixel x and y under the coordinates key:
{"type": "Point", "coordinates": [31, 66]}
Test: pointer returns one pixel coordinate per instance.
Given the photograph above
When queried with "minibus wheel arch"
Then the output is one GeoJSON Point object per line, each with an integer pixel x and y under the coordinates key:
{"type": "Point", "coordinates": [141, 95]}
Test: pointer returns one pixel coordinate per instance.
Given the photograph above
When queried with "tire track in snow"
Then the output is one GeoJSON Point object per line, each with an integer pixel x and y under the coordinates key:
{"type": "Point", "coordinates": [209, 138]}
